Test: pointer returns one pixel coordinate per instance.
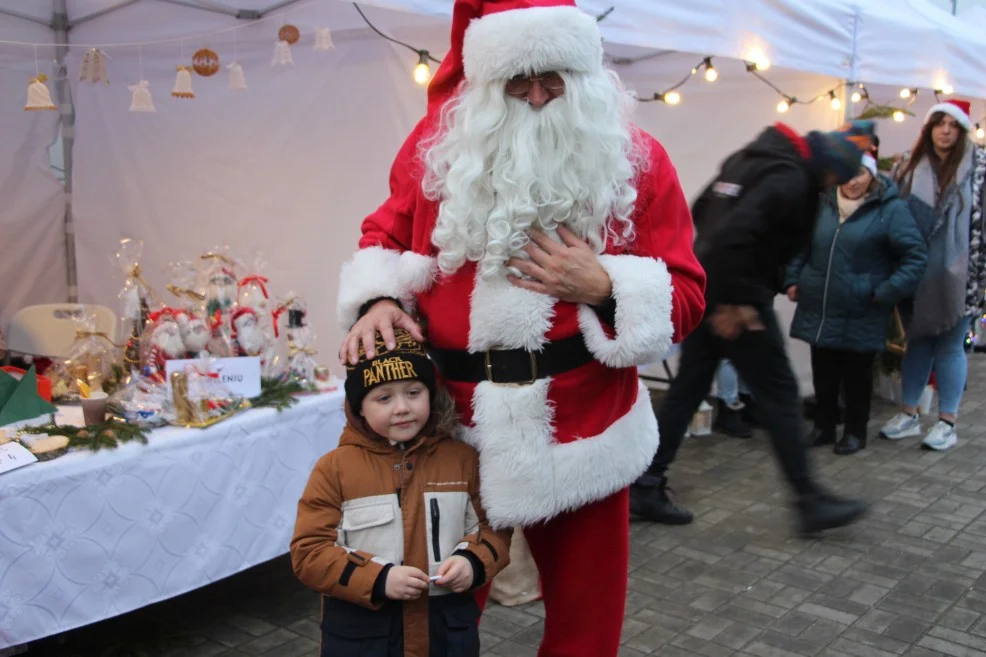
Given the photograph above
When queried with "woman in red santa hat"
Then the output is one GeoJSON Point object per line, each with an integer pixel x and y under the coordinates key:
{"type": "Point", "coordinates": [942, 180]}
{"type": "Point", "coordinates": [545, 243]}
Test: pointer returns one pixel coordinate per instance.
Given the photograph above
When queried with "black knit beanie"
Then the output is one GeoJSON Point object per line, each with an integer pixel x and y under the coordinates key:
{"type": "Point", "coordinates": [407, 361]}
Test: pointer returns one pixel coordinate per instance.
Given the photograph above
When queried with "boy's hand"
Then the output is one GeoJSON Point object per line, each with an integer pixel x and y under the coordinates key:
{"type": "Point", "coordinates": [456, 574]}
{"type": "Point", "coordinates": [405, 583]}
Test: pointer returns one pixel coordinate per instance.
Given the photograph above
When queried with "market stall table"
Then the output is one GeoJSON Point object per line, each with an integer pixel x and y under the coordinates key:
{"type": "Point", "coordinates": [89, 536]}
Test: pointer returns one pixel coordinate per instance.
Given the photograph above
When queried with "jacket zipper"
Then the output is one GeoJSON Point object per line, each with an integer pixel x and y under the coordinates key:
{"type": "Point", "coordinates": [435, 524]}
{"type": "Point", "coordinates": [399, 466]}
{"type": "Point", "coordinates": [828, 274]}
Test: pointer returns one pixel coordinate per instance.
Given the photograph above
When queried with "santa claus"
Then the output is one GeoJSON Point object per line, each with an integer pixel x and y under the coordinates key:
{"type": "Point", "coordinates": [195, 334]}
{"type": "Point", "coordinates": [247, 334]}
{"type": "Point", "coordinates": [165, 343]}
{"type": "Point", "coordinates": [545, 242]}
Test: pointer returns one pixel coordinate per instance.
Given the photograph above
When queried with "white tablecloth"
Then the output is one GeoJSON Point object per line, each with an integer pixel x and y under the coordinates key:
{"type": "Point", "coordinates": [89, 536]}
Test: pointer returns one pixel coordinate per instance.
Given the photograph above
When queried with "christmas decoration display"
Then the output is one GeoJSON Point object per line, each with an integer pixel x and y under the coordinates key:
{"type": "Point", "coordinates": [323, 39]}
{"type": "Point", "coordinates": [163, 343]}
{"type": "Point", "coordinates": [237, 81]}
{"type": "Point", "coordinates": [252, 288]}
{"type": "Point", "coordinates": [183, 82]}
{"type": "Point", "coordinates": [289, 34]}
{"type": "Point", "coordinates": [301, 354]}
{"type": "Point", "coordinates": [282, 54]}
{"type": "Point", "coordinates": [38, 96]}
{"type": "Point", "coordinates": [199, 399]}
{"type": "Point", "coordinates": [94, 67]}
{"type": "Point", "coordinates": [134, 310]}
{"type": "Point", "coordinates": [205, 62]}
{"type": "Point", "coordinates": [90, 359]}
{"type": "Point", "coordinates": [141, 101]}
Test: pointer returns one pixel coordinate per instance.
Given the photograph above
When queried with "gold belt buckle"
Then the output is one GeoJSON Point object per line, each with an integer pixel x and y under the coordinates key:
{"type": "Point", "coordinates": [534, 368]}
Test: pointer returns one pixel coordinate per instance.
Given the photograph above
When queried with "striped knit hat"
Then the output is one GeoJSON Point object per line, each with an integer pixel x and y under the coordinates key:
{"type": "Point", "coordinates": [841, 151]}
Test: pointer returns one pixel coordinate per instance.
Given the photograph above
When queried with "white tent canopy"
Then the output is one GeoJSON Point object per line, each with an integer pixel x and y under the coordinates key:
{"type": "Point", "coordinates": [291, 165]}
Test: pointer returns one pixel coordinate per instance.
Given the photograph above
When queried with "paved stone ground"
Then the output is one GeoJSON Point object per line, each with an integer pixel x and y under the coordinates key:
{"type": "Point", "coordinates": [909, 581]}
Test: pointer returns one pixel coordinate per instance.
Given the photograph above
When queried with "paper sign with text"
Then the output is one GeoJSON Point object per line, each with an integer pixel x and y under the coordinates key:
{"type": "Point", "coordinates": [15, 455]}
{"type": "Point", "coordinates": [240, 375]}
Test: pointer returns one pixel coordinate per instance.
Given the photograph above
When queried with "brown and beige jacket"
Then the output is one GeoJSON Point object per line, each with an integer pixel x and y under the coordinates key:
{"type": "Point", "coordinates": [369, 504]}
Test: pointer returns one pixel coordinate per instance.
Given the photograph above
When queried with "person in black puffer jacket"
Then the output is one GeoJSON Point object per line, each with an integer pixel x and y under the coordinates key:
{"type": "Point", "coordinates": [751, 221]}
{"type": "Point", "coordinates": [866, 255]}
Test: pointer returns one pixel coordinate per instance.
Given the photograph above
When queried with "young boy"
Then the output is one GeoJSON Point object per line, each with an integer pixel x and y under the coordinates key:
{"type": "Point", "coordinates": [391, 530]}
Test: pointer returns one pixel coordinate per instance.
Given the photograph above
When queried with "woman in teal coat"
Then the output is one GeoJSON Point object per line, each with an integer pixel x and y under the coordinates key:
{"type": "Point", "coordinates": [866, 254]}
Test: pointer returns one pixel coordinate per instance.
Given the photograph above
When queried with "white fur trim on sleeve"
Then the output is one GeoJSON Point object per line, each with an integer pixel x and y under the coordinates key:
{"type": "Point", "coordinates": [531, 40]}
{"type": "Point", "coordinates": [528, 477]}
{"type": "Point", "coordinates": [378, 272]}
{"type": "Point", "coordinates": [642, 289]}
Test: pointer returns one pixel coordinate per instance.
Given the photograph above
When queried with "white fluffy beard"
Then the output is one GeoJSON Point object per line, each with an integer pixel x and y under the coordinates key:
{"type": "Point", "coordinates": [195, 335]}
{"type": "Point", "coordinates": [250, 338]}
{"type": "Point", "coordinates": [500, 167]}
{"type": "Point", "coordinates": [167, 338]}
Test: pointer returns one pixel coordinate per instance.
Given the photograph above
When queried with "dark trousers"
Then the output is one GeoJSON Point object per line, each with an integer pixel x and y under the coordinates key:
{"type": "Point", "coordinates": [761, 361]}
{"type": "Point", "coordinates": [851, 372]}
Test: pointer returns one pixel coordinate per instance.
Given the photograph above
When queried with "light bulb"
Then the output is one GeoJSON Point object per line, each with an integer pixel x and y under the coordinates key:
{"type": "Point", "coordinates": [711, 74]}
{"type": "Point", "coordinates": [836, 104]}
{"type": "Point", "coordinates": [947, 89]}
{"type": "Point", "coordinates": [905, 93]}
{"type": "Point", "coordinates": [783, 106]}
{"type": "Point", "coordinates": [422, 72]}
{"type": "Point", "coordinates": [856, 96]}
{"type": "Point", "coordinates": [759, 59]}
{"type": "Point", "coordinates": [898, 116]}
{"type": "Point", "coordinates": [672, 98]}
{"type": "Point", "coordinates": [980, 133]}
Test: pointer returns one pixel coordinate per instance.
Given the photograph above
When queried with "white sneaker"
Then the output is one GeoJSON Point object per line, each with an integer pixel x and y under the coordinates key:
{"type": "Point", "coordinates": [941, 437]}
{"type": "Point", "coordinates": [900, 426]}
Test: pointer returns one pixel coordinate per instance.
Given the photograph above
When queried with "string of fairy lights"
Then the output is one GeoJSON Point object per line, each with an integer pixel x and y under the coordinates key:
{"type": "Point", "coordinates": [755, 60]}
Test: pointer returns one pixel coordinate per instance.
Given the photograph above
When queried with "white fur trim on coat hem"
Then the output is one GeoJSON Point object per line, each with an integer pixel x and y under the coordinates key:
{"type": "Point", "coordinates": [378, 272]}
{"type": "Point", "coordinates": [532, 40]}
{"type": "Point", "coordinates": [643, 292]}
{"type": "Point", "coordinates": [526, 477]}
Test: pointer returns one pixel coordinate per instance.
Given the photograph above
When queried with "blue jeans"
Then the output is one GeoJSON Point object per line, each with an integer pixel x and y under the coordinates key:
{"type": "Point", "coordinates": [943, 353]}
{"type": "Point", "coordinates": [728, 384]}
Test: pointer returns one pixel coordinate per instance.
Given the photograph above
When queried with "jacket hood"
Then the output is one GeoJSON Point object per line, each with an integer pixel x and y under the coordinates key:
{"type": "Point", "coordinates": [357, 433]}
{"type": "Point", "coordinates": [779, 142]}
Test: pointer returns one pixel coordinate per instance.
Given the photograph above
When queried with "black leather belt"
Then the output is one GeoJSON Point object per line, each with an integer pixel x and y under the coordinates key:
{"type": "Point", "coordinates": [511, 365]}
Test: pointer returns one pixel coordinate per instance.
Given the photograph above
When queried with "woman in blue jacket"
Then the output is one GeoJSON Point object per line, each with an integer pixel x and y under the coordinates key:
{"type": "Point", "coordinates": [866, 254]}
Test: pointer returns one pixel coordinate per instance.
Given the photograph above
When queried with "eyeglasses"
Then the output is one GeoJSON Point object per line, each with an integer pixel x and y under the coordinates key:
{"type": "Point", "coordinates": [520, 85]}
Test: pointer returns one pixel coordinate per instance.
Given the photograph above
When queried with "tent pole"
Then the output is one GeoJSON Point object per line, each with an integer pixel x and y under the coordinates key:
{"type": "Point", "coordinates": [11, 12]}
{"type": "Point", "coordinates": [63, 91]}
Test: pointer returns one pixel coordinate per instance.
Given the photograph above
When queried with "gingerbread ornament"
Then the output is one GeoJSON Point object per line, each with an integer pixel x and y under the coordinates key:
{"type": "Point", "coordinates": [289, 33]}
{"type": "Point", "coordinates": [205, 62]}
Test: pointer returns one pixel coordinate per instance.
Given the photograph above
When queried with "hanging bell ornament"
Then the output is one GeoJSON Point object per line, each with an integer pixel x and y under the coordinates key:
{"type": "Point", "coordinates": [141, 100]}
{"type": "Point", "coordinates": [183, 83]}
{"type": "Point", "coordinates": [237, 81]}
{"type": "Point", "coordinates": [282, 54]}
{"type": "Point", "coordinates": [323, 39]}
{"type": "Point", "coordinates": [38, 96]}
{"type": "Point", "coordinates": [94, 66]}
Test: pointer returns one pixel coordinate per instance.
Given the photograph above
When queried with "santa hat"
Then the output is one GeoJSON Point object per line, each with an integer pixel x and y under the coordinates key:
{"type": "Point", "coordinates": [957, 109]}
{"type": "Point", "coordinates": [163, 315]}
{"type": "Point", "coordinates": [498, 39]}
{"type": "Point", "coordinates": [241, 312]}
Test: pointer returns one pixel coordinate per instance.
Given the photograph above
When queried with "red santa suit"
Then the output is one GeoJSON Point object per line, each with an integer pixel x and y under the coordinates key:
{"type": "Point", "coordinates": [557, 454]}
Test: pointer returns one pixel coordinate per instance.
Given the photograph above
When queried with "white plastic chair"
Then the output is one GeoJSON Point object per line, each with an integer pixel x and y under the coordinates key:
{"type": "Point", "coordinates": [49, 329]}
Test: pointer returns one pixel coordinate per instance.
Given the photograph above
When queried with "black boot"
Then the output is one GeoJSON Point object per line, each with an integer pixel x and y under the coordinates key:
{"type": "Point", "coordinates": [823, 510]}
{"type": "Point", "coordinates": [748, 413]}
{"type": "Point", "coordinates": [729, 421]}
{"type": "Point", "coordinates": [821, 437]}
{"type": "Point", "coordinates": [649, 499]}
{"type": "Point", "coordinates": [849, 444]}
